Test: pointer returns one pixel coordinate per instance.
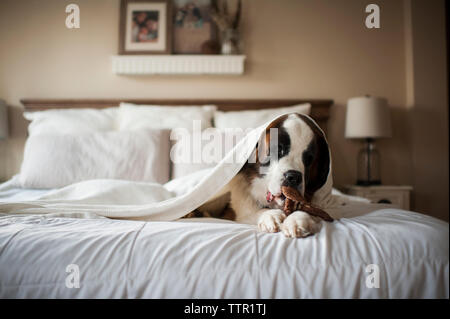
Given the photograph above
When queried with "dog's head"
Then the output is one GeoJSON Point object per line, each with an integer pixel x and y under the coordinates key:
{"type": "Point", "coordinates": [293, 152]}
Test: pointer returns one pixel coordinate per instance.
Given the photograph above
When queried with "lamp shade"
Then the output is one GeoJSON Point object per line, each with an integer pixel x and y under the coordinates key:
{"type": "Point", "coordinates": [367, 117]}
{"type": "Point", "coordinates": [3, 120]}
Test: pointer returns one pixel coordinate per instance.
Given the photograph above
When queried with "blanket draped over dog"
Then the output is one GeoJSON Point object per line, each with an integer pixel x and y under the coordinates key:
{"type": "Point", "coordinates": [151, 201]}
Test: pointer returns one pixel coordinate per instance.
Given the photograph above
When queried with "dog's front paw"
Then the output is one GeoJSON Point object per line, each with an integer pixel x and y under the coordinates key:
{"type": "Point", "coordinates": [270, 220]}
{"type": "Point", "coordinates": [300, 224]}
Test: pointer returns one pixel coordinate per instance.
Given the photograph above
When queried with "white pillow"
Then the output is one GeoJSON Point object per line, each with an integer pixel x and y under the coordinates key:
{"type": "Point", "coordinates": [57, 160]}
{"type": "Point", "coordinates": [71, 121]}
{"type": "Point", "coordinates": [253, 119]}
{"type": "Point", "coordinates": [209, 148]}
{"type": "Point", "coordinates": [134, 117]}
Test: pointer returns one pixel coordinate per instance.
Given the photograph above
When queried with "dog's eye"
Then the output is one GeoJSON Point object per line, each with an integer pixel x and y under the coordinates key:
{"type": "Point", "coordinates": [282, 151]}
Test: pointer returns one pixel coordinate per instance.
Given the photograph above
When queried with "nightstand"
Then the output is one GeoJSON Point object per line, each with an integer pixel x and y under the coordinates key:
{"type": "Point", "coordinates": [396, 195]}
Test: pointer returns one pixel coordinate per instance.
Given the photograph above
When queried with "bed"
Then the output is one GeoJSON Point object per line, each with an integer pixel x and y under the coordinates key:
{"type": "Point", "coordinates": [370, 251]}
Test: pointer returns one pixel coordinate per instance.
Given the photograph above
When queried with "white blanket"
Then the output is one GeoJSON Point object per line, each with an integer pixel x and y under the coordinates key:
{"type": "Point", "coordinates": [151, 201]}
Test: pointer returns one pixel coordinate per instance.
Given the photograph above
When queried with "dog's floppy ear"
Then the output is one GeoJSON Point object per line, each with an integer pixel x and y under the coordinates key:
{"type": "Point", "coordinates": [316, 173]}
{"type": "Point", "coordinates": [263, 146]}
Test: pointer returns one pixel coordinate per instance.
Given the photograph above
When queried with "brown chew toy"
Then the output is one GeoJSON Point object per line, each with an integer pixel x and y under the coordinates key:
{"type": "Point", "coordinates": [295, 201]}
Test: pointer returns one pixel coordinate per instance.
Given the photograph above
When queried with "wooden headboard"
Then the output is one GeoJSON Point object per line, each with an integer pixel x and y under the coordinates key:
{"type": "Point", "coordinates": [320, 110]}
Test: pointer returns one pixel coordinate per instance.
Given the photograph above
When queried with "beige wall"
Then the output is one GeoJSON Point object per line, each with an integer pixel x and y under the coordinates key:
{"type": "Point", "coordinates": [295, 49]}
{"type": "Point", "coordinates": [428, 106]}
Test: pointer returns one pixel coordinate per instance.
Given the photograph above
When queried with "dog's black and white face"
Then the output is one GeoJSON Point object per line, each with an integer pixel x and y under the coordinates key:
{"type": "Point", "coordinates": [298, 156]}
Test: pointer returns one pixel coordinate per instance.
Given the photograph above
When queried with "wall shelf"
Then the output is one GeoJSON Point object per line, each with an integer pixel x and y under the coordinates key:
{"type": "Point", "coordinates": [178, 64]}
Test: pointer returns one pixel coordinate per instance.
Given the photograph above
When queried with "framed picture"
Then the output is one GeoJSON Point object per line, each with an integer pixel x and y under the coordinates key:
{"type": "Point", "coordinates": [192, 26]}
{"type": "Point", "coordinates": [145, 27]}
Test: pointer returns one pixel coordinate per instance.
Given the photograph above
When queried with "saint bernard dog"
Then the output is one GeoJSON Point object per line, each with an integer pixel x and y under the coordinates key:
{"type": "Point", "coordinates": [298, 157]}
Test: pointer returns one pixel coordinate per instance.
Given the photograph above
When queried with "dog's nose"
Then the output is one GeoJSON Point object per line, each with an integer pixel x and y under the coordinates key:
{"type": "Point", "coordinates": [292, 178]}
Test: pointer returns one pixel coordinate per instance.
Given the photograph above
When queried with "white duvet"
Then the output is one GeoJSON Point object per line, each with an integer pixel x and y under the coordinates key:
{"type": "Point", "coordinates": [60, 244]}
{"type": "Point", "coordinates": [208, 258]}
{"type": "Point", "coordinates": [151, 201]}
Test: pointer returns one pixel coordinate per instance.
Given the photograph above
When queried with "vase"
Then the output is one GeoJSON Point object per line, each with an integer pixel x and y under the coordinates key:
{"type": "Point", "coordinates": [230, 42]}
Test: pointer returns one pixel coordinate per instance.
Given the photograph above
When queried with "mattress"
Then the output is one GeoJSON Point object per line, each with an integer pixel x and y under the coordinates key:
{"type": "Point", "coordinates": [374, 251]}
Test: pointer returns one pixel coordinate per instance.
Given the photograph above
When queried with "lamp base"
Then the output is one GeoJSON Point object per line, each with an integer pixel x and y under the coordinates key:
{"type": "Point", "coordinates": [368, 183]}
{"type": "Point", "coordinates": [368, 165]}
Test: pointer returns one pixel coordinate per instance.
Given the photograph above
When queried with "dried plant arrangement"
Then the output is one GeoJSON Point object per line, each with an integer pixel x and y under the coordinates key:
{"type": "Point", "coordinates": [227, 24]}
{"type": "Point", "coordinates": [222, 17]}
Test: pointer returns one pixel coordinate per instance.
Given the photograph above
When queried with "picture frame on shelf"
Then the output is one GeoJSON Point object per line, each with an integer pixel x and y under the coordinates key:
{"type": "Point", "coordinates": [145, 27]}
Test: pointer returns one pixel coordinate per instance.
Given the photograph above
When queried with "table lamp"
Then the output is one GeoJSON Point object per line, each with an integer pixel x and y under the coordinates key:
{"type": "Point", "coordinates": [3, 120]}
{"type": "Point", "coordinates": [368, 118]}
